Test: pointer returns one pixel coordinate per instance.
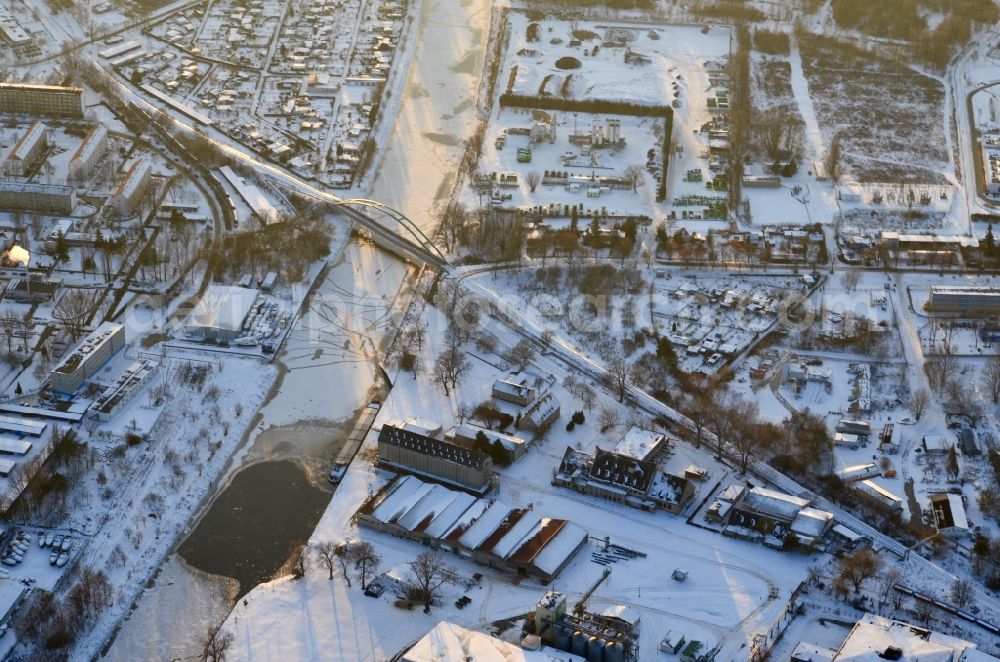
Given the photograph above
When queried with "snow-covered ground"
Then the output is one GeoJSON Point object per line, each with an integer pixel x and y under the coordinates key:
{"type": "Point", "coordinates": [737, 591]}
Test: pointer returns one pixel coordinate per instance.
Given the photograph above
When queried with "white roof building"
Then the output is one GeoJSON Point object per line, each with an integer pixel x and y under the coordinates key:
{"type": "Point", "coordinates": [640, 444]}
{"type": "Point", "coordinates": [220, 312]}
{"type": "Point", "coordinates": [448, 642]}
{"type": "Point", "coordinates": [875, 636]}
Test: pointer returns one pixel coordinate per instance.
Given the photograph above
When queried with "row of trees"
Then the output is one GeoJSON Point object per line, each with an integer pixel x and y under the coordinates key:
{"type": "Point", "coordinates": [288, 247]}
{"type": "Point", "coordinates": [54, 624]}
{"type": "Point", "coordinates": [428, 572]}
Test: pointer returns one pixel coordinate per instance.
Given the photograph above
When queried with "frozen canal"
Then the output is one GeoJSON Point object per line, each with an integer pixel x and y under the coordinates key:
{"type": "Point", "coordinates": [329, 355]}
{"type": "Point", "coordinates": [329, 373]}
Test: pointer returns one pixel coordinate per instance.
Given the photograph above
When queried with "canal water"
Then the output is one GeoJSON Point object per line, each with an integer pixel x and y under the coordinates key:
{"type": "Point", "coordinates": [254, 526]}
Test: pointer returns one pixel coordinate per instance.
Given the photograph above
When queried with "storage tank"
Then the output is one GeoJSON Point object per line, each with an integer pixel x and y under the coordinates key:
{"type": "Point", "coordinates": [562, 639]}
{"type": "Point", "coordinates": [579, 643]}
{"type": "Point", "coordinates": [614, 652]}
{"type": "Point", "coordinates": [595, 649]}
{"type": "Point", "coordinates": [610, 635]}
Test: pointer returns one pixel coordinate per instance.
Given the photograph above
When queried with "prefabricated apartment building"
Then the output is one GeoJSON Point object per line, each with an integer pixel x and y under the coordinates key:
{"type": "Point", "coordinates": [88, 358]}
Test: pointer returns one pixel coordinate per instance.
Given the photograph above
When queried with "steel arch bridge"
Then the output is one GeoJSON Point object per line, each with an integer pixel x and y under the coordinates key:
{"type": "Point", "coordinates": [400, 234]}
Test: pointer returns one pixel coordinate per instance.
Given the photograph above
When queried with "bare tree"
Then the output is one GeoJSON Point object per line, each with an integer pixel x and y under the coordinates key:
{"type": "Point", "coordinates": [889, 579]}
{"type": "Point", "coordinates": [449, 368]}
{"type": "Point", "coordinates": [327, 552]}
{"type": "Point", "coordinates": [919, 401]}
{"type": "Point", "coordinates": [24, 330]}
{"type": "Point", "coordinates": [860, 566]}
{"type": "Point", "coordinates": [532, 179]}
{"type": "Point", "coordinates": [633, 175]}
{"type": "Point", "coordinates": [300, 563]}
{"type": "Point", "coordinates": [940, 369]}
{"type": "Point", "coordinates": [831, 161]}
{"type": "Point", "coordinates": [9, 320]}
{"type": "Point", "coordinates": [774, 132]}
{"type": "Point", "coordinates": [608, 418]}
{"type": "Point", "coordinates": [429, 573]}
{"type": "Point", "coordinates": [217, 644]}
{"type": "Point", "coordinates": [850, 280]}
{"type": "Point", "coordinates": [963, 594]}
{"type": "Point", "coordinates": [521, 354]}
{"type": "Point", "coordinates": [991, 377]}
{"type": "Point", "coordinates": [72, 311]}
{"type": "Point", "coordinates": [722, 421]}
{"type": "Point", "coordinates": [619, 375]}
{"type": "Point", "coordinates": [343, 553]}
{"type": "Point", "coordinates": [453, 220]}
{"type": "Point", "coordinates": [366, 562]}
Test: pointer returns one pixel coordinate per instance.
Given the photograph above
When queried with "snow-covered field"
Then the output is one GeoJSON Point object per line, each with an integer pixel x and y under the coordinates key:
{"type": "Point", "coordinates": [737, 592]}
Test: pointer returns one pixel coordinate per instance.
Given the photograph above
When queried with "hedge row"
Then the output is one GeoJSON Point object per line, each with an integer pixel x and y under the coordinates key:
{"type": "Point", "coordinates": [668, 125]}
{"type": "Point", "coordinates": [595, 106]}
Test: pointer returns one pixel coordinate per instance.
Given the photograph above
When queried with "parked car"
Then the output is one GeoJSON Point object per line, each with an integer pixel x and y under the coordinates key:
{"type": "Point", "coordinates": [337, 473]}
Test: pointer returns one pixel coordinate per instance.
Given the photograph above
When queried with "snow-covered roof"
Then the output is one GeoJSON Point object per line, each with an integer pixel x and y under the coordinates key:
{"type": "Point", "coordinates": [812, 653]}
{"type": "Point", "coordinates": [559, 548]}
{"type": "Point", "coordinates": [949, 511]}
{"type": "Point", "coordinates": [543, 408]}
{"type": "Point", "coordinates": [623, 471]}
{"type": "Point", "coordinates": [524, 526]}
{"type": "Point", "coordinates": [448, 642]}
{"type": "Point", "coordinates": [873, 635]}
{"type": "Point", "coordinates": [92, 344]}
{"type": "Point", "coordinates": [638, 443]}
{"type": "Point", "coordinates": [732, 493]}
{"type": "Point", "coordinates": [858, 472]}
{"type": "Point", "coordinates": [405, 492]}
{"type": "Point", "coordinates": [470, 431]}
{"type": "Point", "coordinates": [487, 523]}
{"type": "Point", "coordinates": [517, 384]}
{"type": "Point", "coordinates": [770, 502]}
{"type": "Point", "coordinates": [90, 143]}
{"type": "Point", "coordinates": [27, 142]}
{"type": "Point", "coordinates": [622, 613]}
{"type": "Point", "coordinates": [466, 519]}
{"type": "Point", "coordinates": [879, 492]}
{"type": "Point", "coordinates": [811, 522]}
{"type": "Point", "coordinates": [135, 178]}
{"type": "Point", "coordinates": [422, 426]}
{"type": "Point", "coordinates": [936, 443]}
{"type": "Point", "coordinates": [435, 501]}
{"type": "Point", "coordinates": [222, 307]}
{"type": "Point", "coordinates": [667, 487]}
{"type": "Point", "coordinates": [450, 515]}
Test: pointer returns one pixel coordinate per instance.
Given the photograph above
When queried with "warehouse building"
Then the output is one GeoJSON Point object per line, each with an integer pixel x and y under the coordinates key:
{"type": "Point", "coordinates": [90, 151]}
{"type": "Point", "coordinates": [27, 151]}
{"type": "Point", "coordinates": [221, 312]}
{"type": "Point", "coordinates": [21, 99]}
{"type": "Point", "coordinates": [45, 198]}
{"type": "Point", "coordinates": [32, 290]}
{"type": "Point", "coordinates": [95, 350]}
{"type": "Point", "coordinates": [968, 300]}
{"type": "Point", "coordinates": [486, 531]}
{"type": "Point", "coordinates": [413, 447]}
